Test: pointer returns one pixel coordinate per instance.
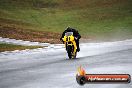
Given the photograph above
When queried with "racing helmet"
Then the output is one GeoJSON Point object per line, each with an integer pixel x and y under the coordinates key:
{"type": "Point", "coordinates": [68, 28]}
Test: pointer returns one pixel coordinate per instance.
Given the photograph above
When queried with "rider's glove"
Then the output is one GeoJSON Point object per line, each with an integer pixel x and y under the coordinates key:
{"type": "Point", "coordinates": [61, 39]}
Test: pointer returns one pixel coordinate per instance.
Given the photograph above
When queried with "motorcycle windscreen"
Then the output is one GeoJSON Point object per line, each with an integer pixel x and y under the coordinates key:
{"type": "Point", "coordinates": [68, 33]}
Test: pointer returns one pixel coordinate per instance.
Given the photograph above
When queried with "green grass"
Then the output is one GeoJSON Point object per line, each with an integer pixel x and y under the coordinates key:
{"type": "Point", "coordinates": [91, 17]}
{"type": "Point", "coordinates": [11, 47]}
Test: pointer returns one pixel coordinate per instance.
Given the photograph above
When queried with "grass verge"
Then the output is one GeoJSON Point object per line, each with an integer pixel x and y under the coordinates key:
{"type": "Point", "coordinates": [97, 19]}
{"type": "Point", "coordinates": [11, 47]}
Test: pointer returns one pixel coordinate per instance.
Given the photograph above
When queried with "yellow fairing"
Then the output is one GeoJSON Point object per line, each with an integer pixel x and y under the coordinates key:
{"type": "Point", "coordinates": [64, 39]}
{"type": "Point", "coordinates": [70, 39]}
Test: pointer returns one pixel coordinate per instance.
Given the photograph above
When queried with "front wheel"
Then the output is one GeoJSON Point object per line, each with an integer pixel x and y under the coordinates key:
{"type": "Point", "coordinates": [69, 51]}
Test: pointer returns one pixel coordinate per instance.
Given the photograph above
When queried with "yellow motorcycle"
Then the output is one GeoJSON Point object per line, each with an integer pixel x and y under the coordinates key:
{"type": "Point", "coordinates": [70, 45]}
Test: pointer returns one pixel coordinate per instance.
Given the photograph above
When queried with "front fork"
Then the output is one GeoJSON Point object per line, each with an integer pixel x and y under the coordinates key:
{"type": "Point", "coordinates": [75, 47]}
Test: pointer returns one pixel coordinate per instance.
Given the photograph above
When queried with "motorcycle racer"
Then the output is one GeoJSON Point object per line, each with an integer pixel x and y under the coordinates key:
{"type": "Point", "coordinates": [75, 34]}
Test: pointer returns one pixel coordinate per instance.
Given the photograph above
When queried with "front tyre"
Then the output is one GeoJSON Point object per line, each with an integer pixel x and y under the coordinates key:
{"type": "Point", "coordinates": [69, 51]}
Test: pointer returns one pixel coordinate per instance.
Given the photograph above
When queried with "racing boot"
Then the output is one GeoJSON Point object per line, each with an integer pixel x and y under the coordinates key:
{"type": "Point", "coordinates": [78, 48]}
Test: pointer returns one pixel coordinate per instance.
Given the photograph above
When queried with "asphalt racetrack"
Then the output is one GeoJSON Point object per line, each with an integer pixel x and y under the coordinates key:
{"type": "Point", "coordinates": [50, 68]}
